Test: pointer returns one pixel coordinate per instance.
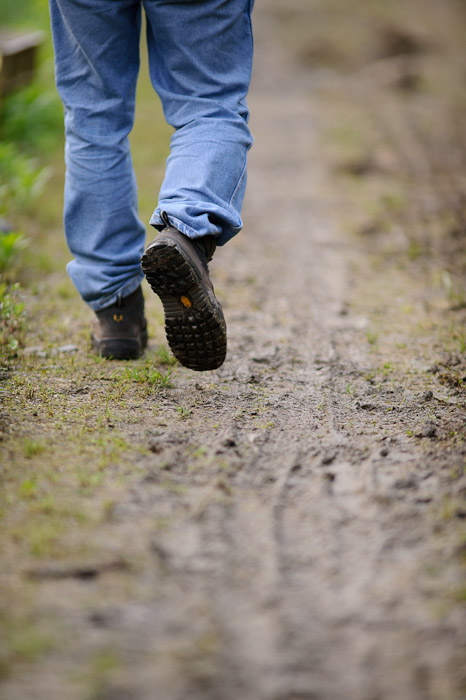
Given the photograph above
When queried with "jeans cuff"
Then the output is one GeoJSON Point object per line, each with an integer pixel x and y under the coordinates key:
{"type": "Point", "coordinates": [113, 298]}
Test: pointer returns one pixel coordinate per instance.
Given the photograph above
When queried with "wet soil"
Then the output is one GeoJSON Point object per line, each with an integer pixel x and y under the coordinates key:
{"type": "Point", "coordinates": [291, 525]}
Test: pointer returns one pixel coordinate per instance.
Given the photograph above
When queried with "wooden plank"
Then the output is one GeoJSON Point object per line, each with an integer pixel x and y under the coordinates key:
{"type": "Point", "coordinates": [18, 56]}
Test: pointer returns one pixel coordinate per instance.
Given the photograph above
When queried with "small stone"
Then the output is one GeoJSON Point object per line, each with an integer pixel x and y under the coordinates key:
{"type": "Point", "coordinates": [156, 446]}
{"type": "Point", "coordinates": [428, 430]}
{"type": "Point", "coordinates": [328, 458]}
{"type": "Point", "coordinates": [32, 350]}
{"type": "Point", "coordinates": [408, 483]}
{"type": "Point", "coordinates": [68, 348]}
{"type": "Point", "coordinates": [384, 451]}
{"type": "Point", "coordinates": [264, 357]}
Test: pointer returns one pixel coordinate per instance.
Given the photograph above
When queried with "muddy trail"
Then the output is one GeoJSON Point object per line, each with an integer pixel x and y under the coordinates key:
{"type": "Point", "coordinates": [292, 525]}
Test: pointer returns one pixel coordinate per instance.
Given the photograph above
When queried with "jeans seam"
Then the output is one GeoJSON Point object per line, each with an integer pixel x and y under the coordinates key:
{"type": "Point", "coordinates": [238, 184]}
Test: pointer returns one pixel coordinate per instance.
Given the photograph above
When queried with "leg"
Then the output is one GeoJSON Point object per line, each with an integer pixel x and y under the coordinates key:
{"type": "Point", "coordinates": [96, 46]}
{"type": "Point", "coordinates": [200, 54]}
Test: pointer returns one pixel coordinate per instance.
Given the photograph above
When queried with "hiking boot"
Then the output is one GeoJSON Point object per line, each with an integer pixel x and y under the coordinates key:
{"type": "Point", "coordinates": [119, 332]}
{"type": "Point", "coordinates": [176, 268]}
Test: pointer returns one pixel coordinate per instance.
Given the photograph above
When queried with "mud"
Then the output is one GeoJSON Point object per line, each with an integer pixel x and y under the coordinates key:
{"type": "Point", "coordinates": [295, 525]}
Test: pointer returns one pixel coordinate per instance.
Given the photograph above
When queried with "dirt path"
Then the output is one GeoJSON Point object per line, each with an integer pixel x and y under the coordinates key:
{"type": "Point", "coordinates": [292, 525]}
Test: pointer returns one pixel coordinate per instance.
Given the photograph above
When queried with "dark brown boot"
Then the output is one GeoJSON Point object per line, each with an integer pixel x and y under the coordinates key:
{"type": "Point", "coordinates": [119, 332]}
{"type": "Point", "coordinates": [176, 268]}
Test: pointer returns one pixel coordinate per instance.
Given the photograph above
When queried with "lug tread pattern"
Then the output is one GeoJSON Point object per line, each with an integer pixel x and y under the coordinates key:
{"type": "Point", "coordinates": [196, 335]}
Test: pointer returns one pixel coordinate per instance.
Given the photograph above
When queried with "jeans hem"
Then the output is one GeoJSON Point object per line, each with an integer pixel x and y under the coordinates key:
{"type": "Point", "coordinates": [156, 222]}
{"type": "Point", "coordinates": [123, 292]}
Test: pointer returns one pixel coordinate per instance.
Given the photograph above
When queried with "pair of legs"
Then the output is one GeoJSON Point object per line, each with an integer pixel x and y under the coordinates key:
{"type": "Point", "coordinates": [200, 56]}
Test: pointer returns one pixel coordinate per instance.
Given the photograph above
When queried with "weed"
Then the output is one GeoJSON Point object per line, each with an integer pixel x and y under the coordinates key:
{"type": "Point", "coordinates": [149, 375]}
{"type": "Point", "coordinates": [461, 340]}
{"type": "Point", "coordinates": [199, 452]}
{"type": "Point", "coordinates": [11, 246]}
{"type": "Point", "coordinates": [183, 412]}
{"type": "Point", "coordinates": [12, 318]}
{"type": "Point", "coordinates": [387, 368]}
{"type": "Point", "coordinates": [32, 448]}
{"type": "Point", "coordinates": [28, 488]}
{"type": "Point", "coordinates": [88, 480]}
{"type": "Point", "coordinates": [372, 337]}
{"type": "Point", "coordinates": [164, 356]}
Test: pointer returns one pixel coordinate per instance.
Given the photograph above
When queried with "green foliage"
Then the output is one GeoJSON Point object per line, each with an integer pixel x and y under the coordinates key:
{"type": "Point", "coordinates": [32, 117]}
{"type": "Point", "coordinates": [22, 180]}
{"type": "Point", "coordinates": [27, 13]}
{"type": "Point", "coordinates": [164, 356]}
{"type": "Point", "coordinates": [11, 246]}
{"type": "Point", "coordinates": [32, 448]}
{"type": "Point", "coordinates": [183, 412]}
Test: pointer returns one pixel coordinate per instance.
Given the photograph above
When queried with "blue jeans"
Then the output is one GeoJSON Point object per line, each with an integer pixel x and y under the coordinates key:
{"type": "Point", "coordinates": [200, 56]}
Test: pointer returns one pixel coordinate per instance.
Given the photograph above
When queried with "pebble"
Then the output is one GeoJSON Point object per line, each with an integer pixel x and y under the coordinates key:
{"type": "Point", "coordinates": [33, 350]}
{"type": "Point", "coordinates": [428, 430]}
{"type": "Point", "coordinates": [68, 348]}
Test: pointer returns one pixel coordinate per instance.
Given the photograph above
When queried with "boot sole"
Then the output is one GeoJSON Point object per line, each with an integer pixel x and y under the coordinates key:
{"type": "Point", "coordinates": [119, 348]}
{"type": "Point", "coordinates": [194, 323]}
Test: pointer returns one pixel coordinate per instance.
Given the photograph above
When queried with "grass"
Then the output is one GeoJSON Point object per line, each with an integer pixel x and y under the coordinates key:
{"type": "Point", "coordinates": [12, 322]}
{"type": "Point", "coordinates": [183, 412]}
{"type": "Point", "coordinates": [149, 375]}
{"type": "Point", "coordinates": [23, 642]}
{"type": "Point", "coordinates": [33, 447]}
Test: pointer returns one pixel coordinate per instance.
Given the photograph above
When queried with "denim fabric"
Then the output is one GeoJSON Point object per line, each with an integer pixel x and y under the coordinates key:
{"type": "Point", "coordinates": [200, 56]}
